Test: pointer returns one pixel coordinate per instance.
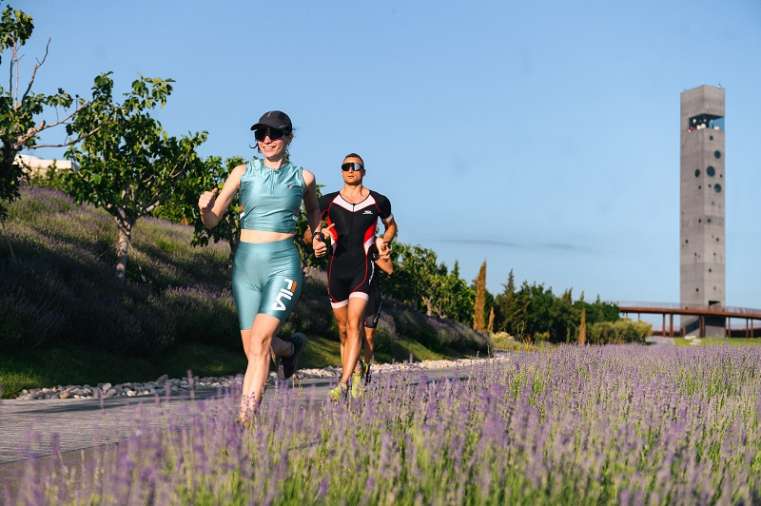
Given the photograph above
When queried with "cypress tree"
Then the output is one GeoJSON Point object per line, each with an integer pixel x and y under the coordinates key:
{"type": "Point", "coordinates": [479, 307]}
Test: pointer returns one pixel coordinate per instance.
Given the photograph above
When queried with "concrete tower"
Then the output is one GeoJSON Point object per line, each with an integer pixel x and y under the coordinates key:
{"type": "Point", "coordinates": [702, 185]}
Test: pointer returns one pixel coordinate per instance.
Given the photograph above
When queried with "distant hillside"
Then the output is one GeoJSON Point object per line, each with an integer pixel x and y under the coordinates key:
{"type": "Point", "coordinates": [57, 289]}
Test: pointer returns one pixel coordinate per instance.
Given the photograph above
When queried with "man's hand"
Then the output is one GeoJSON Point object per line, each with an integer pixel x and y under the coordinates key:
{"type": "Point", "coordinates": [207, 199]}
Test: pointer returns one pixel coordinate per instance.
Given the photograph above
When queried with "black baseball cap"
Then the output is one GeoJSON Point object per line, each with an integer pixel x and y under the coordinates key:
{"type": "Point", "coordinates": [274, 119]}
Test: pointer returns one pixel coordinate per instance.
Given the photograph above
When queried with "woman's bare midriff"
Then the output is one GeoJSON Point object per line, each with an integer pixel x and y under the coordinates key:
{"type": "Point", "coordinates": [260, 236]}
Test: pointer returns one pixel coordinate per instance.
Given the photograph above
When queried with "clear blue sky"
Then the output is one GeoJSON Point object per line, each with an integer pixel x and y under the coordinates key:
{"type": "Point", "coordinates": [540, 136]}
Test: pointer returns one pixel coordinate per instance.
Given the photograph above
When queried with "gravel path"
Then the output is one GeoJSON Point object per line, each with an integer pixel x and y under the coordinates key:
{"type": "Point", "coordinates": [167, 387]}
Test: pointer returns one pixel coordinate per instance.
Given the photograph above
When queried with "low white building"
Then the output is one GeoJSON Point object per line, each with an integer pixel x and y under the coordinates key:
{"type": "Point", "coordinates": [35, 166]}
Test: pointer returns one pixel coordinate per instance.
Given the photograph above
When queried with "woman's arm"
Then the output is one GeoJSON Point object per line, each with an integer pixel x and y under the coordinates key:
{"type": "Point", "coordinates": [390, 232]}
{"type": "Point", "coordinates": [213, 204]}
{"type": "Point", "coordinates": [383, 243]}
{"type": "Point", "coordinates": [313, 214]}
{"type": "Point", "coordinates": [384, 264]}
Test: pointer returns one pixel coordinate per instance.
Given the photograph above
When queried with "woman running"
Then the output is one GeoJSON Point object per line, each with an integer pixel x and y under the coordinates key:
{"type": "Point", "coordinates": [372, 315]}
{"type": "Point", "coordinates": [267, 274]}
{"type": "Point", "coordinates": [352, 218]}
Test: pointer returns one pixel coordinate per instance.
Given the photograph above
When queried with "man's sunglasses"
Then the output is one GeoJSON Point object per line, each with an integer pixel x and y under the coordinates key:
{"type": "Point", "coordinates": [352, 166]}
{"type": "Point", "coordinates": [273, 133]}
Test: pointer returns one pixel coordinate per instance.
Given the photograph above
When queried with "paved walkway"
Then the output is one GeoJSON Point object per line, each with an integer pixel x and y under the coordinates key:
{"type": "Point", "coordinates": [83, 423]}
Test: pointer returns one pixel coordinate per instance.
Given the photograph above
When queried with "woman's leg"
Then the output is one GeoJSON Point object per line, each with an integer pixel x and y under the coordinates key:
{"type": "Point", "coordinates": [266, 285]}
{"type": "Point", "coordinates": [259, 341]}
{"type": "Point", "coordinates": [369, 347]}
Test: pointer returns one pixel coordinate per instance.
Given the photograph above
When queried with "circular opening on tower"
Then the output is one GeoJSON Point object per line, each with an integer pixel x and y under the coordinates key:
{"type": "Point", "coordinates": [710, 137]}
{"type": "Point", "coordinates": [711, 171]}
{"type": "Point", "coordinates": [717, 188]}
{"type": "Point", "coordinates": [697, 172]}
{"type": "Point", "coordinates": [717, 154]}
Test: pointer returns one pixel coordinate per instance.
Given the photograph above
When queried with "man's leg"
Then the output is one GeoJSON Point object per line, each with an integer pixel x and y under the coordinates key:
{"type": "Point", "coordinates": [355, 312]}
{"type": "Point", "coordinates": [342, 314]}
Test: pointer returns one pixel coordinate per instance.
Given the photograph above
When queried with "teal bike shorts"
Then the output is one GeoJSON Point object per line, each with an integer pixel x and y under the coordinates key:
{"type": "Point", "coordinates": [267, 279]}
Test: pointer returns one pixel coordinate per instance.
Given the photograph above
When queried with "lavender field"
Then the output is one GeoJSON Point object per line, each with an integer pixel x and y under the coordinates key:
{"type": "Point", "coordinates": [601, 425]}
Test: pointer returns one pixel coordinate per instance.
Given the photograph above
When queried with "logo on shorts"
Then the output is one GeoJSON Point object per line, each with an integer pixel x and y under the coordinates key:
{"type": "Point", "coordinates": [284, 293]}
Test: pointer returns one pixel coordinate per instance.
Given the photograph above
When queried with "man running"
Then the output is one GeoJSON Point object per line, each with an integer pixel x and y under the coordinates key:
{"type": "Point", "coordinates": [352, 218]}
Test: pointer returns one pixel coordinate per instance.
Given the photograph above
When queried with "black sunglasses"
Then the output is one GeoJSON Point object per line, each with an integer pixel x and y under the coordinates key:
{"type": "Point", "coordinates": [273, 133]}
{"type": "Point", "coordinates": [352, 166]}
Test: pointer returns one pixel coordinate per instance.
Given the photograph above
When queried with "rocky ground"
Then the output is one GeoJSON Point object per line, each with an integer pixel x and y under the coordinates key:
{"type": "Point", "coordinates": [165, 386]}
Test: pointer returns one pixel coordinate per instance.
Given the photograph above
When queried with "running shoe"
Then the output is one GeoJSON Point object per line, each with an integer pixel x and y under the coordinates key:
{"type": "Point", "coordinates": [357, 387]}
{"type": "Point", "coordinates": [339, 392]}
{"type": "Point", "coordinates": [359, 372]}
{"type": "Point", "coordinates": [291, 362]}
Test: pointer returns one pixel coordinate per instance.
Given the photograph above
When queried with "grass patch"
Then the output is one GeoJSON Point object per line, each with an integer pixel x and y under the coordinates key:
{"type": "Point", "coordinates": [719, 341]}
{"type": "Point", "coordinates": [320, 352]}
{"type": "Point", "coordinates": [69, 365]}
{"type": "Point", "coordinates": [80, 365]}
{"type": "Point", "coordinates": [501, 341]}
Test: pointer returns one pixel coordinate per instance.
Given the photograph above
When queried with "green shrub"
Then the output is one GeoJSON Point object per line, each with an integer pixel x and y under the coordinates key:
{"type": "Point", "coordinates": [201, 316]}
{"type": "Point", "coordinates": [619, 332]}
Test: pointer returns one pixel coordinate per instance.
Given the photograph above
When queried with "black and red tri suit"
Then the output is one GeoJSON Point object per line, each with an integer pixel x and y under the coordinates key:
{"type": "Point", "coordinates": [351, 268]}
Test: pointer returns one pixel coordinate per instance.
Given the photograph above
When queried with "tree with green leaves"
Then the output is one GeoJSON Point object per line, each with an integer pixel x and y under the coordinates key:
{"type": "Point", "coordinates": [479, 306]}
{"type": "Point", "coordinates": [129, 165]}
{"type": "Point", "coordinates": [456, 297]}
{"type": "Point", "coordinates": [416, 278]}
{"type": "Point", "coordinates": [424, 283]}
{"type": "Point", "coordinates": [20, 106]}
{"type": "Point", "coordinates": [184, 207]}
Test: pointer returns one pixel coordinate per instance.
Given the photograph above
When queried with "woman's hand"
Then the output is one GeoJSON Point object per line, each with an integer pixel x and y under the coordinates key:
{"type": "Point", "coordinates": [206, 200]}
{"type": "Point", "coordinates": [318, 245]}
{"type": "Point", "coordinates": [384, 248]}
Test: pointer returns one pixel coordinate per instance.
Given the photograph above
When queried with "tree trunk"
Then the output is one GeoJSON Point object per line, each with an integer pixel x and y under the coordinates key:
{"type": "Point", "coordinates": [428, 306]}
{"type": "Point", "coordinates": [123, 241]}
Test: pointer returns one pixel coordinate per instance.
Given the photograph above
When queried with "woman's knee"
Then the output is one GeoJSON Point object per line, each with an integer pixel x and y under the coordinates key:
{"type": "Point", "coordinates": [259, 345]}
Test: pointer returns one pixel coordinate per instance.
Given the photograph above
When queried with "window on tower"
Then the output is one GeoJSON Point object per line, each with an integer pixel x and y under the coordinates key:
{"type": "Point", "coordinates": [705, 121]}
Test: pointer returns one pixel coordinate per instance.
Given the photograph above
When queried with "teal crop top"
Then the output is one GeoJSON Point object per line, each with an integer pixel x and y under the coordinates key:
{"type": "Point", "coordinates": [271, 198]}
